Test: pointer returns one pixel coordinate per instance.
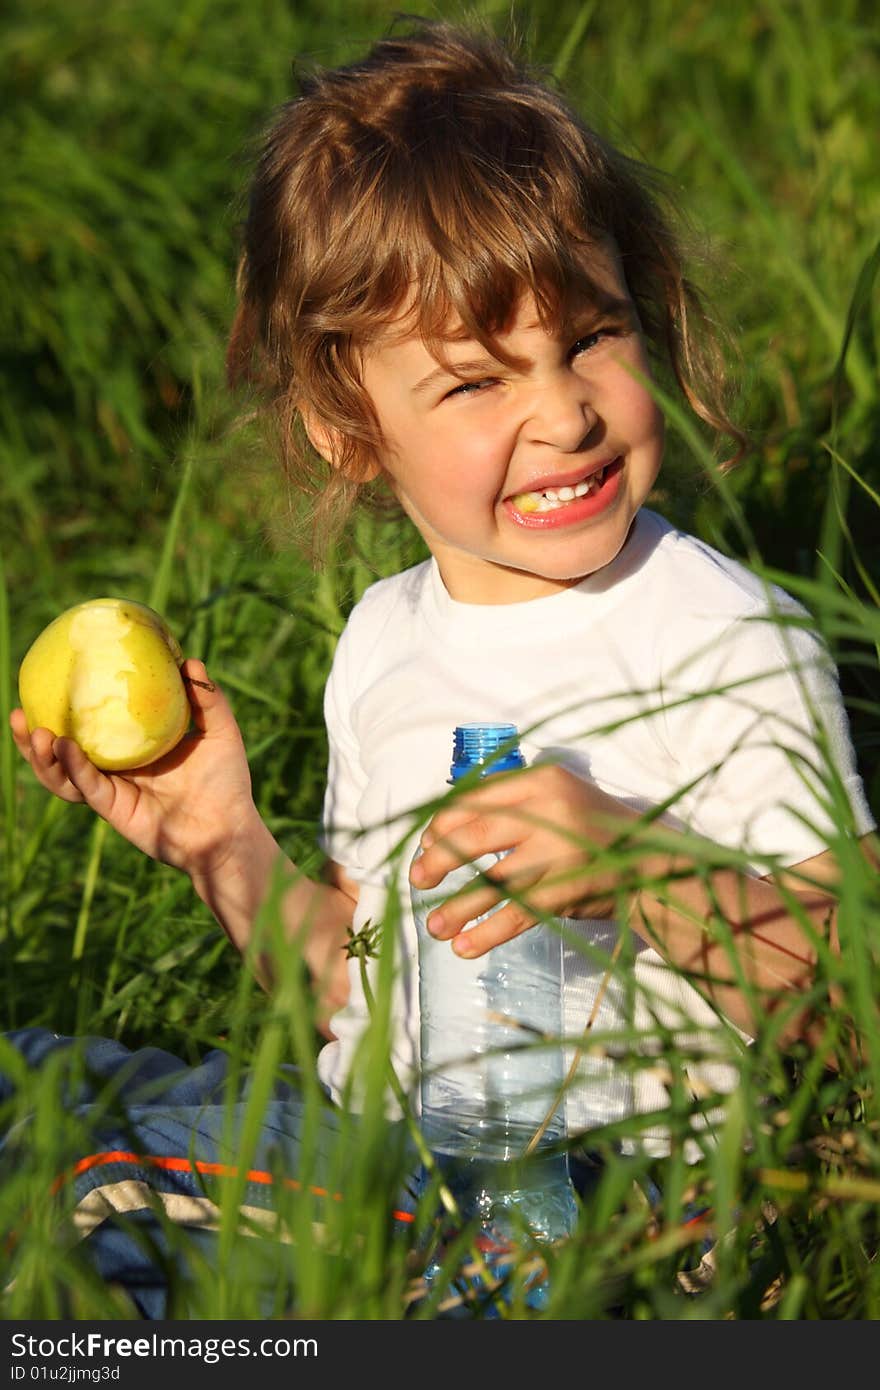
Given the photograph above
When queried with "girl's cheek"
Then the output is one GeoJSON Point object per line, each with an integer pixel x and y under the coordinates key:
{"type": "Point", "coordinates": [655, 423]}
{"type": "Point", "coordinates": [644, 414]}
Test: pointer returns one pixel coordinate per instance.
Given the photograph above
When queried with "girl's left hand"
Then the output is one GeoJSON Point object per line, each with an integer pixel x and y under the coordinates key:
{"type": "Point", "coordinates": [555, 825]}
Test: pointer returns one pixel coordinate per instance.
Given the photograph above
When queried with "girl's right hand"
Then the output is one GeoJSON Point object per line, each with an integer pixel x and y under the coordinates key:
{"type": "Point", "coordinates": [192, 809]}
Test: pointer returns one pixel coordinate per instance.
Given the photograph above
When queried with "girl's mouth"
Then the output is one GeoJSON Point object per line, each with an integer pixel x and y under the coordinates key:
{"type": "Point", "coordinates": [565, 505]}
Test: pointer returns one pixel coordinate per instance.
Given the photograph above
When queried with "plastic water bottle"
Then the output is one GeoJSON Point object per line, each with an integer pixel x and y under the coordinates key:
{"type": "Point", "coordinates": [490, 1070]}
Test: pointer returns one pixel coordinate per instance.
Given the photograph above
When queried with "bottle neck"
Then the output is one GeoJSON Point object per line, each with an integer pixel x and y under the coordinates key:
{"type": "Point", "coordinates": [485, 749]}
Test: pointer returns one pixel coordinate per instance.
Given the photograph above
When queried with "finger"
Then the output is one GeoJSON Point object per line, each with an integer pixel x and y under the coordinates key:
{"type": "Point", "coordinates": [509, 921]}
{"type": "Point", "coordinates": [470, 840]}
{"type": "Point", "coordinates": [20, 735]}
{"type": "Point", "coordinates": [541, 890]}
{"type": "Point", "coordinates": [36, 749]}
{"type": "Point", "coordinates": [483, 894]}
{"type": "Point", "coordinates": [93, 786]}
{"type": "Point", "coordinates": [454, 915]}
{"type": "Point", "coordinates": [496, 794]}
{"type": "Point", "coordinates": [212, 712]}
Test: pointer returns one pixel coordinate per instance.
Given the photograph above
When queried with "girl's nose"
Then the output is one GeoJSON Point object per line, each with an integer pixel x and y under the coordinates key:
{"type": "Point", "coordinates": [561, 413]}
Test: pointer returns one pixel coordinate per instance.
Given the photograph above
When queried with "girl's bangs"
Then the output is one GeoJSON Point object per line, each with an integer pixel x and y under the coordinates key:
{"type": "Point", "coordinates": [468, 282]}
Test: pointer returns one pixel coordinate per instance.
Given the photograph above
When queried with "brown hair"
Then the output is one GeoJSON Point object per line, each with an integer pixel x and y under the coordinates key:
{"type": "Point", "coordinates": [439, 161]}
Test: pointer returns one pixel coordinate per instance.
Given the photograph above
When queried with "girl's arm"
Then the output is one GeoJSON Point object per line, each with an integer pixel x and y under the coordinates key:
{"type": "Point", "coordinates": [674, 913]}
{"type": "Point", "coordinates": [322, 912]}
{"type": "Point", "coordinates": [194, 809]}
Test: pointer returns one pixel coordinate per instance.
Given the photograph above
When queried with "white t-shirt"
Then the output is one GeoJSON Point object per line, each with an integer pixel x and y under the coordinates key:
{"type": "Point", "coordinates": [661, 679]}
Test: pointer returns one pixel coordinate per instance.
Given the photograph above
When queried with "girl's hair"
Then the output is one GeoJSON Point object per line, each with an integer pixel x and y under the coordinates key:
{"type": "Point", "coordinates": [440, 176]}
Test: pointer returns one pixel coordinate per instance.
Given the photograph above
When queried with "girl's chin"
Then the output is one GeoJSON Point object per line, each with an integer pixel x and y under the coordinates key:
{"type": "Point", "coordinates": [500, 581]}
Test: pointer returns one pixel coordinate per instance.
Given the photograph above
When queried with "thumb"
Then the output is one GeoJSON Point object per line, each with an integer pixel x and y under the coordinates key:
{"type": "Point", "coordinates": [211, 711]}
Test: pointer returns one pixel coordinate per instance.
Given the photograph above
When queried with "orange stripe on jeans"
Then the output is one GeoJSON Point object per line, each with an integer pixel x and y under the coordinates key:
{"type": "Point", "coordinates": [189, 1165]}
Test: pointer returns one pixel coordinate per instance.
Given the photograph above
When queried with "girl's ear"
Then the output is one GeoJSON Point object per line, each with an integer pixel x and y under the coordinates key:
{"type": "Point", "coordinates": [324, 440]}
{"type": "Point", "coordinates": [328, 443]}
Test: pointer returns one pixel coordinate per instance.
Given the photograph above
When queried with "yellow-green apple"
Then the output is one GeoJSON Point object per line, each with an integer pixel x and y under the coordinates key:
{"type": "Point", "coordinates": [107, 674]}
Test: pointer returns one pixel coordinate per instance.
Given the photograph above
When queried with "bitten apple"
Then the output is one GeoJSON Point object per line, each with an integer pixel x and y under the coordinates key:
{"type": "Point", "coordinates": [107, 674]}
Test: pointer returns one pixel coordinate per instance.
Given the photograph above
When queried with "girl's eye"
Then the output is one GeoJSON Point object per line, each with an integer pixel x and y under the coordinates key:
{"type": "Point", "coordinates": [591, 340]}
{"type": "Point", "coordinates": [468, 388]}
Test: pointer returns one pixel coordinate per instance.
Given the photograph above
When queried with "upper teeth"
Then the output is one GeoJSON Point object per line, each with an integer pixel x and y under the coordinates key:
{"type": "Point", "coordinates": [552, 497]}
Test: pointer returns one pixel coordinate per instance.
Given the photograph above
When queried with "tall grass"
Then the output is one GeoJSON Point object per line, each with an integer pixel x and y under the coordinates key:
{"type": "Point", "coordinates": [127, 142]}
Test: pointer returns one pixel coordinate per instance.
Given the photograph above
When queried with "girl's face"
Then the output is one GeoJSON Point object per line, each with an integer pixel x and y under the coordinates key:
{"type": "Point", "coordinates": [522, 480]}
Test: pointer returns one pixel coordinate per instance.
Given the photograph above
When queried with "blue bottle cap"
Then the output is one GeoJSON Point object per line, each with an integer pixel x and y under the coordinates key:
{"type": "Point", "coordinates": [489, 747]}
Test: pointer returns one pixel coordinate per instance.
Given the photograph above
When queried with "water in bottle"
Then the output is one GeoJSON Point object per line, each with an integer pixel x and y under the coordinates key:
{"type": "Point", "coordinates": [491, 1059]}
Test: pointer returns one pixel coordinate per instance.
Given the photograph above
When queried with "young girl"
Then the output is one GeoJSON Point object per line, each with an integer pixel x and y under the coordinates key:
{"type": "Point", "coordinates": [453, 289]}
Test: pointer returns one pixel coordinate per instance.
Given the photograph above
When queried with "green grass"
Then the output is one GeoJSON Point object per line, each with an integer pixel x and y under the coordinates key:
{"type": "Point", "coordinates": [126, 146]}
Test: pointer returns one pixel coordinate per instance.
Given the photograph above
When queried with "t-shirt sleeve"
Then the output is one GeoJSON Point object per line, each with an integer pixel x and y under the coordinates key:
{"type": "Point", "coordinates": [757, 722]}
{"type": "Point", "coordinates": [340, 827]}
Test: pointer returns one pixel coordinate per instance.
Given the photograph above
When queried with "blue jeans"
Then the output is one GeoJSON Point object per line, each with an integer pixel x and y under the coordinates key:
{"type": "Point", "coordinates": [159, 1140]}
{"type": "Point", "coordinates": [162, 1134]}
